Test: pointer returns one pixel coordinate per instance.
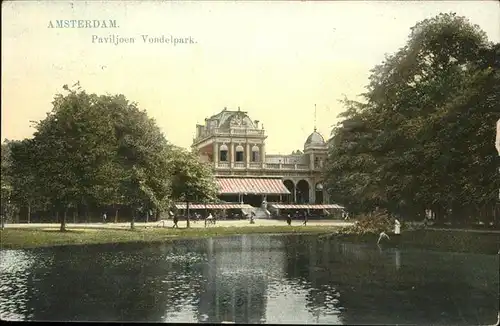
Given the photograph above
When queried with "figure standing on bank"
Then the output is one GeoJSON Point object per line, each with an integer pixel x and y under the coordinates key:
{"type": "Point", "coordinates": [397, 227]}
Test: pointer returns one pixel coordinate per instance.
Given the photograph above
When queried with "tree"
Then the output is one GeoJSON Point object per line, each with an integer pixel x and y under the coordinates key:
{"type": "Point", "coordinates": [96, 150]}
{"type": "Point", "coordinates": [418, 140]}
{"type": "Point", "coordinates": [192, 180]}
{"type": "Point", "coordinates": [22, 176]}
{"type": "Point", "coordinates": [6, 182]}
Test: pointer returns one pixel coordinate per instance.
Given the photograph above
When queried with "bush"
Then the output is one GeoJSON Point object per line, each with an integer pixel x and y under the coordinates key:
{"type": "Point", "coordinates": [371, 224]}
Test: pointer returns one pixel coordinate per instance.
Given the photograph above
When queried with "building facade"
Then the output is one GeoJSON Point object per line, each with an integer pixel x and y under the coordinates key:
{"type": "Point", "coordinates": [235, 146]}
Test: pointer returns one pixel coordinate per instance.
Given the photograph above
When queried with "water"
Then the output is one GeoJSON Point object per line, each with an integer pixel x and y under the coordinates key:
{"type": "Point", "coordinates": [250, 279]}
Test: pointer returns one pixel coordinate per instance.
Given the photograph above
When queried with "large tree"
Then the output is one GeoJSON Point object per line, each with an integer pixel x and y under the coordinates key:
{"type": "Point", "coordinates": [422, 137]}
{"type": "Point", "coordinates": [95, 150]}
{"type": "Point", "coordinates": [192, 180]}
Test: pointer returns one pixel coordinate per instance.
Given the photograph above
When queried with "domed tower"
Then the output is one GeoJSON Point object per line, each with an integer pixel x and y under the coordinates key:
{"type": "Point", "coordinates": [315, 148]}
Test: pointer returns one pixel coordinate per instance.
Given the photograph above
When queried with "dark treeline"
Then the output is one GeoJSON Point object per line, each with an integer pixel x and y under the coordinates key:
{"type": "Point", "coordinates": [422, 137]}
{"type": "Point", "coordinates": [93, 155]}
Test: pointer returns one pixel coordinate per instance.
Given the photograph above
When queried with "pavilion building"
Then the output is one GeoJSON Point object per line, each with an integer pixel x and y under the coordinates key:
{"type": "Point", "coordinates": [235, 147]}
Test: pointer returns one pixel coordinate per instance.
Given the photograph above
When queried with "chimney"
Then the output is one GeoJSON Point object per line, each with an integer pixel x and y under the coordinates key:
{"type": "Point", "coordinates": [256, 122]}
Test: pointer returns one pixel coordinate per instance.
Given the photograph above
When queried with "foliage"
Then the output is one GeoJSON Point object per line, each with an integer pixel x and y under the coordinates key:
{"type": "Point", "coordinates": [423, 136]}
{"type": "Point", "coordinates": [99, 151]}
{"type": "Point", "coordinates": [6, 182]}
{"type": "Point", "coordinates": [371, 224]}
{"type": "Point", "coordinates": [192, 180]}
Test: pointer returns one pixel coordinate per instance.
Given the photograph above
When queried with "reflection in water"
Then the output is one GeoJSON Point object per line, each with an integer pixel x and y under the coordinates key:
{"type": "Point", "coordinates": [14, 305]}
{"type": "Point", "coordinates": [398, 258]}
{"type": "Point", "coordinates": [249, 279]}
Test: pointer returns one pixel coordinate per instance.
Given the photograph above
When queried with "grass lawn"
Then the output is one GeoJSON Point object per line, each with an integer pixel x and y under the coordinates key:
{"type": "Point", "coordinates": [12, 238]}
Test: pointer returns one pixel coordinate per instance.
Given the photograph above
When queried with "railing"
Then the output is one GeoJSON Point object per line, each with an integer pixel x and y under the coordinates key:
{"type": "Point", "coordinates": [240, 131]}
{"type": "Point", "coordinates": [264, 166]}
{"type": "Point", "coordinates": [231, 131]}
{"type": "Point", "coordinates": [285, 159]}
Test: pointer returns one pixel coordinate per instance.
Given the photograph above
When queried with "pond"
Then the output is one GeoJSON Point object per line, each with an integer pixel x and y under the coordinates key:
{"type": "Point", "coordinates": [250, 279]}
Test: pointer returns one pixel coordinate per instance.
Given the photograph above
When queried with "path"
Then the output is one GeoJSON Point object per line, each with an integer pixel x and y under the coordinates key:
{"type": "Point", "coordinates": [169, 223]}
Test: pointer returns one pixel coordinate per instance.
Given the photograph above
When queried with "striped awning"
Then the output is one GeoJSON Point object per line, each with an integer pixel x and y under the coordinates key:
{"type": "Point", "coordinates": [213, 206]}
{"type": "Point", "coordinates": [251, 186]}
{"type": "Point", "coordinates": [319, 206]}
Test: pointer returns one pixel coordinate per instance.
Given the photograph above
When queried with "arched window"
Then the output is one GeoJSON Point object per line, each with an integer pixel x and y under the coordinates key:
{"type": "Point", "coordinates": [239, 153]}
{"type": "Point", "coordinates": [223, 153]}
{"type": "Point", "coordinates": [255, 153]}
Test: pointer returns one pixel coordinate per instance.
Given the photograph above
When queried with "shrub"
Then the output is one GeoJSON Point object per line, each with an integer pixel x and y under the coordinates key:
{"type": "Point", "coordinates": [371, 224]}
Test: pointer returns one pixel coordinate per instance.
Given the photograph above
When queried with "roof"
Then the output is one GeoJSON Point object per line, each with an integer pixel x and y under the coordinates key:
{"type": "Point", "coordinates": [225, 118]}
{"type": "Point", "coordinates": [315, 138]}
{"type": "Point", "coordinates": [213, 206]}
{"type": "Point", "coordinates": [319, 206]}
{"type": "Point", "coordinates": [251, 186]}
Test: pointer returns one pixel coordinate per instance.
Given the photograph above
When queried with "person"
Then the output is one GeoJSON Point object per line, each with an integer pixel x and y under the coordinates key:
{"type": "Point", "coordinates": [104, 217]}
{"type": "Point", "coordinates": [305, 218]}
{"type": "Point", "coordinates": [382, 235]}
{"type": "Point", "coordinates": [176, 219]}
{"type": "Point", "coordinates": [209, 219]}
{"type": "Point", "coordinates": [252, 215]}
{"type": "Point", "coordinates": [397, 227]}
{"type": "Point", "coordinates": [289, 219]}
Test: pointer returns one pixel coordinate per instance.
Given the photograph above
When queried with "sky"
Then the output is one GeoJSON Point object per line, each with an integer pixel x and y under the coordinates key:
{"type": "Point", "coordinates": [275, 60]}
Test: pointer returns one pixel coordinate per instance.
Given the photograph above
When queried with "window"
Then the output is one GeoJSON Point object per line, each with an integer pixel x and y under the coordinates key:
{"type": "Point", "coordinates": [223, 156]}
{"type": "Point", "coordinates": [239, 153]}
{"type": "Point", "coordinates": [223, 153]}
{"type": "Point", "coordinates": [255, 153]}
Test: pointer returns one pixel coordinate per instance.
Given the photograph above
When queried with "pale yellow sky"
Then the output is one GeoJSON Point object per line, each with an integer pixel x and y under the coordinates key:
{"type": "Point", "coordinates": [273, 59]}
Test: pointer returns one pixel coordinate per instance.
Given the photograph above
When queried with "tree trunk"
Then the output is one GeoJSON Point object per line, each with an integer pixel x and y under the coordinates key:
{"type": "Point", "coordinates": [63, 221]}
{"type": "Point", "coordinates": [116, 215]}
{"type": "Point", "coordinates": [29, 213]}
{"type": "Point", "coordinates": [133, 221]}
{"type": "Point", "coordinates": [57, 216]}
{"type": "Point", "coordinates": [86, 214]}
{"type": "Point", "coordinates": [75, 213]}
{"type": "Point", "coordinates": [187, 215]}
{"type": "Point", "coordinates": [147, 216]}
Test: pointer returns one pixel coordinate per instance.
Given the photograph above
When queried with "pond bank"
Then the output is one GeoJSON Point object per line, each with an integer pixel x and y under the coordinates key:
{"type": "Point", "coordinates": [433, 239]}
{"type": "Point", "coordinates": [23, 238]}
{"type": "Point", "coordinates": [442, 240]}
